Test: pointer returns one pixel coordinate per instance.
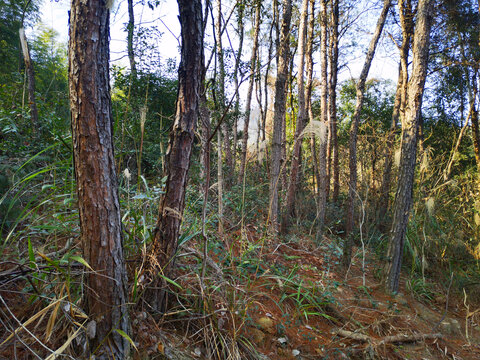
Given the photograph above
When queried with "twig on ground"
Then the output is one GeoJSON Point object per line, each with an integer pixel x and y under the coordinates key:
{"type": "Point", "coordinates": [387, 339]}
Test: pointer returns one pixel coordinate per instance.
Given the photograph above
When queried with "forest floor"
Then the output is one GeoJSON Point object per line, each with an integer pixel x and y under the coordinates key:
{"type": "Point", "coordinates": [293, 301]}
{"type": "Point", "coordinates": [261, 298]}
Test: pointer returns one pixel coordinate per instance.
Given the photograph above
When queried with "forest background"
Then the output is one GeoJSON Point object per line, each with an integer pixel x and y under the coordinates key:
{"type": "Point", "coordinates": [311, 131]}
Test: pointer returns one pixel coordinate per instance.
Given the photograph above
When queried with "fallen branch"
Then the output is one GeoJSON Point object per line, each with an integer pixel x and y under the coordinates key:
{"type": "Point", "coordinates": [387, 339]}
{"type": "Point", "coordinates": [209, 261]}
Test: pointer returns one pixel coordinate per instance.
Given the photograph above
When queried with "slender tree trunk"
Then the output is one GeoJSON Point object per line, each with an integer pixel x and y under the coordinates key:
{"type": "Point", "coordinates": [475, 127]}
{"type": "Point", "coordinates": [205, 127]}
{"type": "Point", "coordinates": [222, 133]}
{"type": "Point", "coordinates": [279, 112]}
{"type": "Point", "coordinates": [271, 44]}
{"type": "Point", "coordinates": [172, 203]}
{"type": "Point", "coordinates": [476, 136]}
{"type": "Point", "coordinates": [389, 152]}
{"type": "Point", "coordinates": [403, 197]}
{"type": "Point", "coordinates": [448, 170]}
{"type": "Point", "coordinates": [253, 67]}
{"type": "Point", "coordinates": [308, 93]}
{"type": "Point", "coordinates": [301, 120]}
{"type": "Point", "coordinates": [220, 179]}
{"type": "Point", "coordinates": [406, 21]}
{"type": "Point", "coordinates": [99, 209]}
{"type": "Point", "coordinates": [322, 155]}
{"type": "Point", "coordinates": [220, 80]}
{"type": "Point", "coordinates": [334, 39]}
{"type": "Point", "coordinates": [130, 29]}
{"type": "Point", "coordinates": [30, 72]}
{"type": "Point", "coordinates": [238, 59]}
{"type": "Point", "coordinates": [360, 89]}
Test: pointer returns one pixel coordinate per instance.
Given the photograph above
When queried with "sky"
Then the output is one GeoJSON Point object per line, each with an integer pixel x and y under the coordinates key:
{"type": "Point", "coordinates": [55, 15]}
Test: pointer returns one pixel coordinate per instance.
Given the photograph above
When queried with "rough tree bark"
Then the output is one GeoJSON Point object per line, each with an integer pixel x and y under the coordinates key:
{"type": "Point", "coordinates": [179, 149]}
{"type": "Point", "coordinates": [301, 120]}
{"type": "Point", "coordinates": [403, 196]}
{"type": "Point", "coordinates": [360, 90]}
{"type": "Point", "coordinates": [279, 112]}
{"type": "Point", "coordinates": [99, 209]}
{"type": "Point", "coordinates": [30, 74]}
{"type": "Point", "coordinates": [253, 62]}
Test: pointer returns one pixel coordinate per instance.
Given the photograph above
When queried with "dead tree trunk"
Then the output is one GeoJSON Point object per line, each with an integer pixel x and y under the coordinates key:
{"type": "Point", "coordinates": [99, 209]}
{"type": "Point", "coordinates": [403, 196]}
{"type": "Point", "coordinates": [360, 89]}
{"type": "Point", "coordinates": [279, 112]}
{"type": "Point", "coordinates": [30, 74]}
{"type": "Point", "coordinates": [172, 203]}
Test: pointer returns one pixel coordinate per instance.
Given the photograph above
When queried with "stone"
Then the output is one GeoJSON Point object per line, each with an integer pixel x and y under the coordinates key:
{"type": "Point", "coordinates": [257, 336]}
{"type": "Point", "coordinates": [266, 324]}
{"type": "Point", "coordinates": [451, 327]}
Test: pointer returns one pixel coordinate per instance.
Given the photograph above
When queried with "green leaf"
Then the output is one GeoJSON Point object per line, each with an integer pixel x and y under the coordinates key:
{"type": "Point", "coordinates": [135, 284]}
{"type": "Point", "coordinates": [81, 261]}
{"type": "Point", "coordinates": [125, 336]}
{"type": "Point", "coordinates": [31, 254]}
{"type": "Point", "coordinates": [171, 281]}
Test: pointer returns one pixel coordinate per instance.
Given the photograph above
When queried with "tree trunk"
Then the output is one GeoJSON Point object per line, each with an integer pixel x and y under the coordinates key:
{"type": "Point", "coordinates": [333, 96]}
{"type": "Point", "coordinates": [475, 128]}
{"type": "Point", "coordinates": [30, 73]}
{"type": "Point", "coordinates": [279, 112]}
{"type": "Point", "coordinates": [406, 21]}
{"type": "Point", "coordinates": [220, 82]}
{"type": "Point", "coordinates": [322, 154]}
{"type": "Point", "coordinates": [389, 152]}
{"type": "Point", "coordinates": [476, 136]}
{"type": "Point", "coordinates": [99, 209]}
{"type": "Point", "coordinates": [301, 120]}
{"type": "Point", "coordinates": [403, 196]}
{"type": "Point", "coordinates": [172, 203]}
{"type": "Point", "coordinates": [238, 59]}
{"type": "Point", "coordinates": [271, 44]}
{"type": "Point", "coordinates": [360, 89]}
{"type": "Point", "coordinates": [308, 94]}
{"type": "Point", "coordinates": [253, 62]}
{"type": "Point", "coordinates": [130, 29]}
{"type": "Point", "coordinates": [220, 179]}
